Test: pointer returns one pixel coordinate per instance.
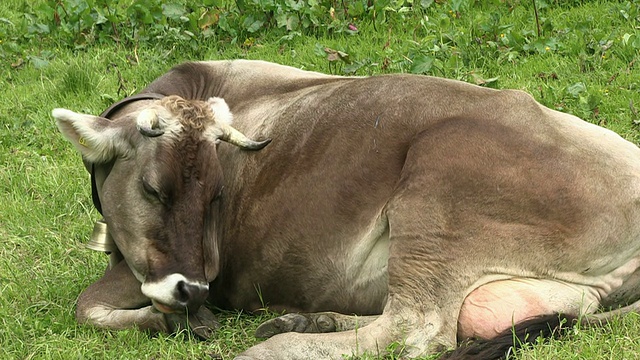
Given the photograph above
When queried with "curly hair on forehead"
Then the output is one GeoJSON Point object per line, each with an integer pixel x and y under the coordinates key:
{"type": "Point", "coordinates": [191, 113]}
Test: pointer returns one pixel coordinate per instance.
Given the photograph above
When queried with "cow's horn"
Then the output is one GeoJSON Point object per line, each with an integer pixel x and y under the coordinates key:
{"type": "Point", "coordinates": [148, 124]}
{"type": "Point", "coordinates": [235, 137]}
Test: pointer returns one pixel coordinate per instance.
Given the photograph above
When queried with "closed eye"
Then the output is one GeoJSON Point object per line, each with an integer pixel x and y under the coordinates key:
{"type": "Point", "coordinates": [153, 193]}
{"type": "Point", "coordinates": [149, 190]}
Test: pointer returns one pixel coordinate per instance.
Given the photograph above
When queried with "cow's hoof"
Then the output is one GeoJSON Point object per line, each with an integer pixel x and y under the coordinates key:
{"type": "Point", "coordinates": [300, 323]}
{"type": "Point", "coordinates": [202, 324]}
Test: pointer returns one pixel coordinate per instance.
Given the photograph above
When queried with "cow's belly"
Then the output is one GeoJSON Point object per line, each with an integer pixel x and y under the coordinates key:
{"type": "Point", "coordinates": [348, 276]}
{"type": "Point", "coordinates": [362, 284]}
{"type": "Point", "coordinates": [366, 280]}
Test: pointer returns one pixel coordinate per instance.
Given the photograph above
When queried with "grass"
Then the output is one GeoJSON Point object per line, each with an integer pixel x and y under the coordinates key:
{"type": "Point", "coordinates": [45, 208]}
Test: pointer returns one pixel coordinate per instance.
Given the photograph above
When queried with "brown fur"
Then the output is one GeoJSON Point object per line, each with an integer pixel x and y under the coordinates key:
{"type": "Point", "coordinates": [392, 195]}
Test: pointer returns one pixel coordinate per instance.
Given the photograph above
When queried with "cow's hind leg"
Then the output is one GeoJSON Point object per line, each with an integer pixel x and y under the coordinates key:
{"type": "Point", "coordinates": [322, 322]}
{"type": "Point", "coordinates": [116, 302]}
{"type": "Point", "coordinates": [603, 318]}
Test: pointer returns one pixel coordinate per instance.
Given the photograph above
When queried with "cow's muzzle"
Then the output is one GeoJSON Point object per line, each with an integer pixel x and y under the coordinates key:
{"type": "Point", "coordinates": [176, 294]}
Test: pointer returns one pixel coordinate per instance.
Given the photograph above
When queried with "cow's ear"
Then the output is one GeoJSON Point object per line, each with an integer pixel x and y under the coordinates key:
{"type": "Point", "coordinates": [99, 140]}
{"type": "Point", "coordinates": [210, 242]}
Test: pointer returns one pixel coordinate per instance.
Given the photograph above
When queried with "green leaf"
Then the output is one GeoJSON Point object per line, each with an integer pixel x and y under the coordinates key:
{"type": "Point", "coordinates": [294, 5]}
{"type": "Point", "coordinates": [292, 22]}
{"type": "Point", "coordinates": [290, 36]}
{"type": "Point", "coordinates": [7, 21]}
{"type": "Point", "coordinates": [241, 4]}
{"type": "Point", "coordinates": [38, 62]}
{"type": "Point", "coordinates": [223, 23]}
{"type": "Point", "coordinates": [252, 24]}
{"type": "Point", "coordinates": [590, 102]}
{"type": "Point", "coordinates": [214, 3]}
{"type": "Point", "coordinates": [318, 50]}
{"type": "Point", "coordinates": [353, 67]}
{"type": "Point", "coordinates": [173, 11]}
{"type": "Point", "coordinates": [380, 5]}
{"type": "Point", "coordinates": [576, 89]}
{"type": "Point", "coordinates": [356, 9]}
{"type": "Point", "coordinates": [88, 20]}
{"type": "Point", "coordinates": [422, 64]}
{"type": "Point", "coordinates": [77, 7]}
{"type": "Point", "coordinates": [281, 19]}
{"type": "Point", "coordinates": [38, 29]}
{"type": "Point", "coordinates": [147, 18]}
{"type": "Point", "coordinates": [99, 18]}
{"type": "Point", "coordinates": [426, 3]}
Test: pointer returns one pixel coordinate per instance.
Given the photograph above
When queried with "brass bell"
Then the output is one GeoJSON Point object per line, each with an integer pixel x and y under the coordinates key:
{"type": "Point", "coordinates": [100, 239]}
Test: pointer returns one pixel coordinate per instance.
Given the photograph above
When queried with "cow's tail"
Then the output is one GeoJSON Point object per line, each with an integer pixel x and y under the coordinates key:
{"type": "Point", "coordinates": [526, 332]}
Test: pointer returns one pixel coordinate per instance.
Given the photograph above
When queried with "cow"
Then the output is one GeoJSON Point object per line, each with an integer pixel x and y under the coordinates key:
{"type": "Point", "coordinates": [372, 210]}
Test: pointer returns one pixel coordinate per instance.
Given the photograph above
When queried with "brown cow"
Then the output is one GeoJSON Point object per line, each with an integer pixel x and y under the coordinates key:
{"type": "Point", "coordinates": [435, 209]}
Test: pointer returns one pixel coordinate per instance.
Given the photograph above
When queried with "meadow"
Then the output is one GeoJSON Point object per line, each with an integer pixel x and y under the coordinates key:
{"type": "Point", "coordinates": [580, 57]}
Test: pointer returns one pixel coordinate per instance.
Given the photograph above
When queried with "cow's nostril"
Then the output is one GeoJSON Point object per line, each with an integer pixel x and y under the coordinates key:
{"type": "Point", "coordinates": [193, 295]}
{"type": "Point", "coordinates": [183, 291]}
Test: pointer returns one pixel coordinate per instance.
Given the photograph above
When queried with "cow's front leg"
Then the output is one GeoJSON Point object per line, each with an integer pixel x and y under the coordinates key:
{"type": "Point", "coordinates": [321, 322]}
{"type": "Point", "coordinates": [417, 331]}
{"type": "Point", "coordinates": [116, 302]}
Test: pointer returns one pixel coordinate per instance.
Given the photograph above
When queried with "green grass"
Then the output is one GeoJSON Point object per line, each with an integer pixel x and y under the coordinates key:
{"type": "Point", "coordinates": [45, 208]}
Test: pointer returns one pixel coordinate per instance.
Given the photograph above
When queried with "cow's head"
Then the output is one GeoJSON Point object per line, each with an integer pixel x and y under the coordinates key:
{"type": "Point", "coordinates": [161, 190]}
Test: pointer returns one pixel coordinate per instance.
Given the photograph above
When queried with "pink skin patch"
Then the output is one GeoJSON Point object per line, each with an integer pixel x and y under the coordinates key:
{"type": "Point", "coordinates": [497, 306]}
{"type": "Point", "coordinates": [162, 308]}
